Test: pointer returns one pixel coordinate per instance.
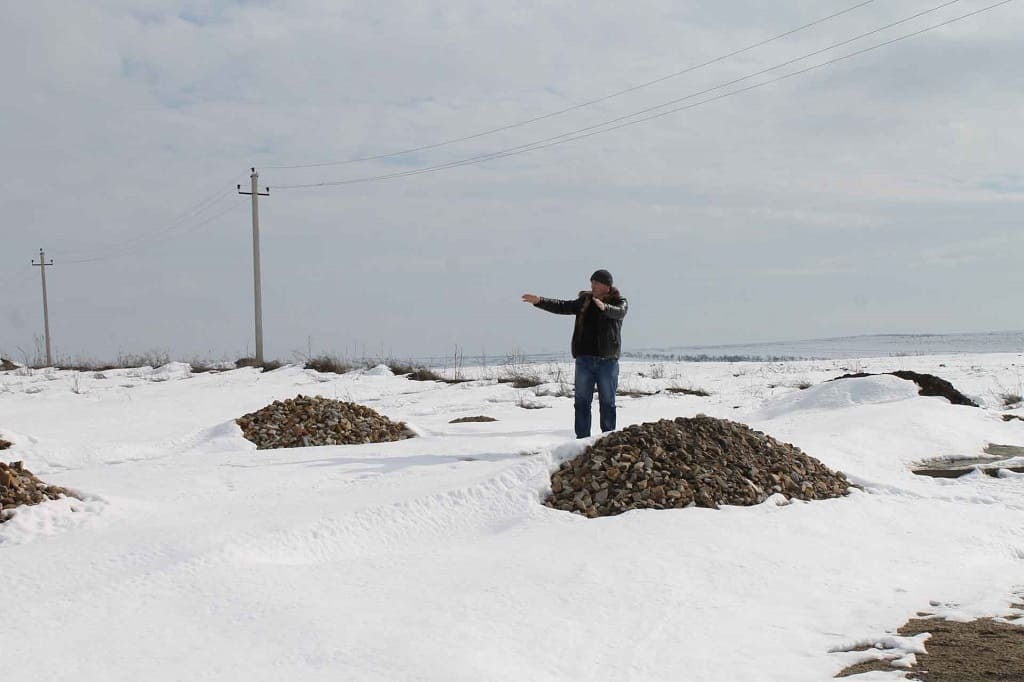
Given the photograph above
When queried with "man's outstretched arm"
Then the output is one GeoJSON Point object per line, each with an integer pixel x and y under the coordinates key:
{"type": "Point", "coordinates": [553, 305]}
{"type": "Point", "coordinates": [616, 312]}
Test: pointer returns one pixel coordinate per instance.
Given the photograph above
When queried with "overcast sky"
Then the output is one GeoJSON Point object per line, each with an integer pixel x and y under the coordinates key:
{"type": "Point", "coordinates": [884, 193]}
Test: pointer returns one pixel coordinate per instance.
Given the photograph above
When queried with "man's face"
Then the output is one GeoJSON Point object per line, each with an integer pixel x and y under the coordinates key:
{"type": "Point", "coordinates": [599, 290]}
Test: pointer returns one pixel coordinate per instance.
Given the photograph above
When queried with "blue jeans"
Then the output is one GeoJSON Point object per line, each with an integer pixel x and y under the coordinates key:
{"type": "Point", "coordinates": [591, 371]}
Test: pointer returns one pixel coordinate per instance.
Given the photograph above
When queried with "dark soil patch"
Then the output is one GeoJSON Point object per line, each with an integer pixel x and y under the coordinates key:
{"type": "Point", "coordinates": [19, 487]}
{"type": "Point", "coordinates": [929, 385]}
{"type": "Point", "coordinates": [979, 651]}
{"type": "Point", "coordinates": [633, 393]}
{"type": "Point", "coordinates": [672, 464]}
{"type": "Point", "coordinates": [470, 420]}
{"type": "Point", "coordinates": [6, 365]}
{"type": "Point", "coordinates": [699, 392]}
{"type": "Point", "coordinates": [1011, 417]}
{"type": "Point", "coordinates": [521, 381]}
{"type": "Point", "coordinates": [4, 444]}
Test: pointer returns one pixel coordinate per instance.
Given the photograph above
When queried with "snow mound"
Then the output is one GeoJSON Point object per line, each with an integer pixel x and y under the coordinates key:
{"type": "Point", "coordinates": [837, 395]}
{"type": "Point", "coordinates": [172, 370]}
{"type": "Point", "coordinates": [26, 523]}
{"type": "Point", "coordinates": [930, 385]}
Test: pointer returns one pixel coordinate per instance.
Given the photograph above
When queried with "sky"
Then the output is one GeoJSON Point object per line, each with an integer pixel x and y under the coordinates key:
{"type": "Point", "coordinates": [880, 194]}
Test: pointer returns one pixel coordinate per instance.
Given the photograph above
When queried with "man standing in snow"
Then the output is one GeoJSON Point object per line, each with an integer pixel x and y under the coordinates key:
{"type": "Point", "coordinates": [596, 344]}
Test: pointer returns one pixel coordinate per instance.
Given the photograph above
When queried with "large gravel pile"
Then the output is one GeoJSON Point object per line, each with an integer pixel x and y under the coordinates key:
{"type": "Point", "coordinates": [19, 487]}
{"type": "Point", "coordinates": [678, 463]}
{"type": "Point", "coordinates": [305, 421]}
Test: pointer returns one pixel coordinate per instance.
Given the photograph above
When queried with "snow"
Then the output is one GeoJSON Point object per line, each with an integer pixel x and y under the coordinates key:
{"type": "Point", "coordinates": [194, 556]}
{"type": "Point", "coordinates": [836, 395]}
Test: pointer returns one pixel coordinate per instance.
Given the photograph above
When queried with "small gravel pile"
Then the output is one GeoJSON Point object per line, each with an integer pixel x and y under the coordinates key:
{"type": "Point", "coordinates": [19, 487]}
{"type": "Point", "coordinates": [306, 421]}
{"type": "Point", "coordinates": [702, 461]}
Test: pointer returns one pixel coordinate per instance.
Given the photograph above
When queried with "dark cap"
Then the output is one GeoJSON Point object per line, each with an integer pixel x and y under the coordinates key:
{"type": "Point", "coordinates": [602, 276]}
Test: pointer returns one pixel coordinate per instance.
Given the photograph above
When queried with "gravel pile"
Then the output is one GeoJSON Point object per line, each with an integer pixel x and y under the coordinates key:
{"type": "Point", "coordinates": [19, 487]}
{"type": "Point", "coordinates": [306, 421]}
{"type": "Point", "coordinates": [702, 461]}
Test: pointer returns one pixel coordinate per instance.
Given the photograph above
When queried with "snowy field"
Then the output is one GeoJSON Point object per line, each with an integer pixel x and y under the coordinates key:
{"type": "Point", "coordinates": [195, 557]}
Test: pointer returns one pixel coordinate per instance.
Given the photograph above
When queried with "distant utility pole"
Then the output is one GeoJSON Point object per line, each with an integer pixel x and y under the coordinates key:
{"type": "Point", "coordinates": [257, 287]}
{"type": "Point", "coordinates": [46, 310]}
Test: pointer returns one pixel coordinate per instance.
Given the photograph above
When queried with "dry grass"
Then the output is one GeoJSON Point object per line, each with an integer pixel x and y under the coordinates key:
{"type": "Point", "coordinates": [201, 366]}
{"type": "Point", "coordinates": [401, 367]}
{"type": "Point", "coordinates": [267, 366]}
{"type": "Point", "coordinates": [424, 374]}
{"type": "Point", "coordinates": [329, 363]}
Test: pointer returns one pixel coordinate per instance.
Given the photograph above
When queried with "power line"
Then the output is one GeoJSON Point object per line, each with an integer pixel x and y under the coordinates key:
{"type": "Point", "coordinates": [581, 105]}
{"type": "Point", "coordinates": [190, 213]}
{"type": "Point", "coordinates": [543, 143]}
{"type": "Point", "coordinates": [606, 126]}
{"type": "Point", "coordinates": [141, 247]}
{"type": "Point", "coordinates": [198, 209]}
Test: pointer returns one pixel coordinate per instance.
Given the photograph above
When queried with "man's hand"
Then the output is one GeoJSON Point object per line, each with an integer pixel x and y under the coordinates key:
{"type": "Point", "coordinates": [531, 299]}
{"type": "Point", "coordinates": [598, 302]}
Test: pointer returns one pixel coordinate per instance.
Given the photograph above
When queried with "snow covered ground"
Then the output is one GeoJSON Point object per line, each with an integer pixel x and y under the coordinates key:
{"type": "Point", "coordinates": [195, 557]}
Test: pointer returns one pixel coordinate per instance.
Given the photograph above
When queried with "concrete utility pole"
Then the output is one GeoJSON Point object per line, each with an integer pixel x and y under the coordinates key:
{"type": "Point", "coordinates": [257, 286]}
{"type": "Point", "coordinates": [46, 310]}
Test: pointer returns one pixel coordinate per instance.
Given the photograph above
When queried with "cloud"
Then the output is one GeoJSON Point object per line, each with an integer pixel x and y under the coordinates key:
{"type": "Point", "coordinates": [128, 114]}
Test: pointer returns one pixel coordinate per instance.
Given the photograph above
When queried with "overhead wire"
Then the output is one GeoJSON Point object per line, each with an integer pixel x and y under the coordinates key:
{"type": "Point", "coordinates": [580, 105]}
{"type": "Point", "coordinates": [121, 253]}
{"type": "Point", "coordinates": [610, 125]}
{"type": "Point", "coordinates": [182, 221]}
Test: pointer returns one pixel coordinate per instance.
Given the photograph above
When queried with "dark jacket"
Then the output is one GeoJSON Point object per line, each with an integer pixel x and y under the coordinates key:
{"type": "Point", "coordinates": [609, 339]}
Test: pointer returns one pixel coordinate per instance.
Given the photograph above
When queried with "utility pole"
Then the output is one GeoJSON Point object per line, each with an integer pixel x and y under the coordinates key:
{"type": "Point", "coordinates": [257, 287]}
{"type": "Point", "coordinates": [46, 310]}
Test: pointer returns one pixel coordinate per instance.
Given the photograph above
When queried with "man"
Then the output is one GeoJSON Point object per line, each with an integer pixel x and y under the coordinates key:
{"type": "Point", "coordinates": [596, 344]}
